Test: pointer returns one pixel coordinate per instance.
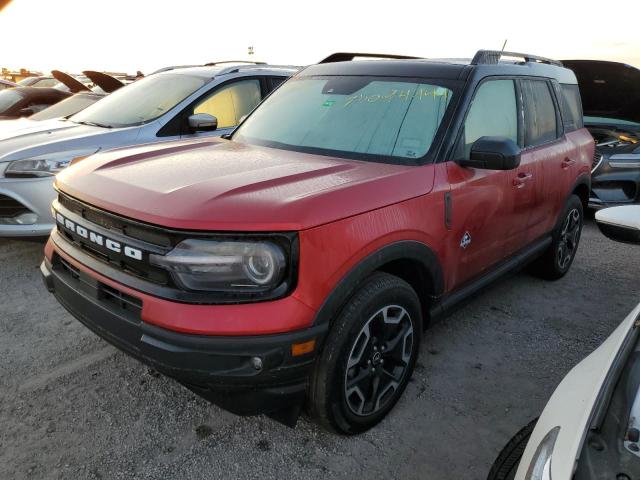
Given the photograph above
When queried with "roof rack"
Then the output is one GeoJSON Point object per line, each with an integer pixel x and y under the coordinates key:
{"type": "Point", "coordinates": [237, 68]}
{"type": "Point", "coordinates": [212, 64]}
{"type": "Point", "coordinates": [491, 57]}
{"type": "Point", "coordinates": [349, 56]}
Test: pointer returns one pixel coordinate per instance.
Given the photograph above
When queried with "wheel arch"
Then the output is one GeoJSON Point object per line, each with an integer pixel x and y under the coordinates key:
{"type": "Point", "coordinates": [412, 261]}
{"type": "Point", "coordinates": [582, 188]}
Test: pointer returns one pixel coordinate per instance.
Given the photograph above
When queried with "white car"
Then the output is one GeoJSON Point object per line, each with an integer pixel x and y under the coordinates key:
{"type": "Point", "coordinates": [590, 428]}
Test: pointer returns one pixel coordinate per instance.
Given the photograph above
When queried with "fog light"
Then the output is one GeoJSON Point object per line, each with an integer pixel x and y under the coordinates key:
{"type": "Point", "coordinates": [257, 363]}
{"type": "Point", "coordinates": [26, 219]}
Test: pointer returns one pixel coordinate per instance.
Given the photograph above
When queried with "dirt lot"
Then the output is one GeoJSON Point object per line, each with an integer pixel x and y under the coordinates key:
{"type": "Point", "coordinates": [72, 407]}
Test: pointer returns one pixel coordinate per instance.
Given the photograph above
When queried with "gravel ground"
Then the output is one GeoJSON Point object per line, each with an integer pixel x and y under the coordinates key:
{"type": "Point", "coordinates": [71, 406]}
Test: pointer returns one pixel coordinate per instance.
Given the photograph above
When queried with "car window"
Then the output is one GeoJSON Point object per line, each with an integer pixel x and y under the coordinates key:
{"type": "Point", "coordinates": [539, 113]}
{"type": "Point", "coordinates": [231, 102]}
{"type": "Point", "coordinates": [8, 99]}
{"type": "Point", "coordinates": [351, 116]}
{"type": "Point", "coordinates": [571, 107]}
{"type": "Point", "coordinates": [66, 107]}
{"type": "Point", "coordinates": [493, 113]}
{"type": "Point", "coordinates": [274, 82]}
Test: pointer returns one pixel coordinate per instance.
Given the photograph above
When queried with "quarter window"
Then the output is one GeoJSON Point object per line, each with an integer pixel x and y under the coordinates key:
{"type": "Point", "coordinates": [539, 113]}
{"type": "Point", "coordinates": [493, 113]}
{"type": "Point", "coordinates": [231, 102]}
{"type": "Point", "coordinates": [571, 107]}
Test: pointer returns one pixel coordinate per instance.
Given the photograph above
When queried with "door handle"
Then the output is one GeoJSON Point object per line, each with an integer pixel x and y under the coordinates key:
{"type": "Point", "coordinates": [521, 179]}
{"type": "Point", "coordinates": [567, 162]}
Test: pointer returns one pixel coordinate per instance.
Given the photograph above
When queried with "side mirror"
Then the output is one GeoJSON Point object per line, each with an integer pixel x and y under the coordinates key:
{"type": "Point", "coordinates": [202, 122]}
{"type": "Point", "coordinates": [26, 112]}
{"type": "Point", "coordinates": [493, 153]}
{"type": "Point", "coordinates": [621, 224]}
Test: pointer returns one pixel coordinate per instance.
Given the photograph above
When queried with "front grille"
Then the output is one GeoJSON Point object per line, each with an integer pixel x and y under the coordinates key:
{"type": "Point", "coordinates": [597, 160]}
{"type": "Point", "coordinates": [10, 207]}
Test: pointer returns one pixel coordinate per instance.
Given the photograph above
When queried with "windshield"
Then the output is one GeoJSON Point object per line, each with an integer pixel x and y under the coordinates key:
{"type": "Point", "coordinates": [354, 116]}
{"type": "Point", "coordinates": [140, 102]}
{"type": "Point", "coordinates": [8, 98]}
{"type": "Point", "coordinates": [66, 107]}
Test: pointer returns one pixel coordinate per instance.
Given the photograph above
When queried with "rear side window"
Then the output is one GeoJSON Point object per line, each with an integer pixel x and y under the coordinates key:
{"type": "Point", "coordinates": [493, 113]}
{"type": "Point", "coordinates": [540, 119]}
{"type": "Point", "coordinates": [571, 107]}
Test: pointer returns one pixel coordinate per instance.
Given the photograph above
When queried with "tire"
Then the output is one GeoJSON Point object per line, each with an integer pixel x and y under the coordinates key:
{"type": "Point", "coordinates": [557, 259]}
{"type": "Point", "coordinates": [382, 322]}
{"type": "Point", "coordinates": [506, 465]}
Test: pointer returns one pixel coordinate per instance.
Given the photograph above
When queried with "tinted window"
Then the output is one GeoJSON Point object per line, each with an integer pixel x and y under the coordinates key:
{"type": "Point", "coordinates": [493, 113]}
{"type": "Point", "coordinates": [273, 82]}
{"type": "Point", "coordinates": [350, 116]}
{"type": "Point", "coordinates": [571, 107]}
{"type": "Point", "coordinates": [142, 101]}
{"type": "Point", "coordinates": [231, 102]}
{"type": "Point", "coordinates": [539, 113]}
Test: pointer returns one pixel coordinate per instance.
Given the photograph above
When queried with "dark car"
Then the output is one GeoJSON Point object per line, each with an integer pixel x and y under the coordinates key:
{"type": "Point", "coordinates": [7, 84]}
{"type": "Point", "coordinates": [611, 103]}
{"type": "Point", "coordinates": [25, 101]}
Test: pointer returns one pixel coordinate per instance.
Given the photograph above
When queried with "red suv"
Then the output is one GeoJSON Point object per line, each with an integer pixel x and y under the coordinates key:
{"type": "Point", "coordinates": [297, 261]}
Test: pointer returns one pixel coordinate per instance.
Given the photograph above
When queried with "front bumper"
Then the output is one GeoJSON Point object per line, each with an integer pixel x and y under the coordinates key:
{"type": "Point", "coordinates": [613, 186]}
{"type": "Point", "coordinates": [221, 369]}
{"type": "Point", "coordinates": [36, 195]}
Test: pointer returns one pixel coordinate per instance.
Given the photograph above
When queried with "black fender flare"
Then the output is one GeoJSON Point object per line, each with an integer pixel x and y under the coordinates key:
{"type": "Point", "coordinates": [402, 250]}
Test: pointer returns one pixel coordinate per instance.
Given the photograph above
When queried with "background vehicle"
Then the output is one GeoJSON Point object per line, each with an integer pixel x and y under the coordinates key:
{"type": "Point", "coordinates": [611, 101]}
{"type": "Point", "coordinates": [177, 104]}
{"type": "Point", "coordinates": [298, 260]}
{"type": "Point", "coordinates": [591, 425]}
{"type": "Point", "coordinates": [25, 101]}
{"type": "Point", "coordinates": [39, 82]}
{"type": "Point", "coordinates": [6, 84]}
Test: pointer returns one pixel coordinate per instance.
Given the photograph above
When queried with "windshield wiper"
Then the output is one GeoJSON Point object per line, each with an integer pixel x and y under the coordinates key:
{"type": "Point", "coordinates": [94, 124]}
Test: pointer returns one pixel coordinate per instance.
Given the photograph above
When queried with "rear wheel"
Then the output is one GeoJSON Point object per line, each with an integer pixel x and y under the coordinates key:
{"type": "Point", "coordinates": [557, 260]}
{"type": "Point", "coordinates": [506, 465]}
{"type": "Point", "coordinates": [368, 356]}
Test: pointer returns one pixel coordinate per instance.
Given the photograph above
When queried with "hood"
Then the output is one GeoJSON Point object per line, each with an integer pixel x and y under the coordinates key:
{"type": "Point", "coordinates": [106, 82]}
{"type": "Point", "coordinates": [71, 83]}
{"type": "Point", "coordinates": [217, 184]}
{"type": "Point", "coordinates": [52, 136]}
{"type": "Point", "coordinates": [608, 89]}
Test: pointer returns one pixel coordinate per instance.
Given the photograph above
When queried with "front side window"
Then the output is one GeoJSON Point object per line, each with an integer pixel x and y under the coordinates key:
{"type": "Point", "coordinates": [8, 99]}
{"type": "Point", "coordinates": [493, 113]}
{"type": "Point", "coordinates": [140, 102]}
{"type": "Point", "coordinates": [231, 102]}
{"type": "Point", "coordinates": [539, 113]}
{"type": "Point", "coordinates": [363, 117]}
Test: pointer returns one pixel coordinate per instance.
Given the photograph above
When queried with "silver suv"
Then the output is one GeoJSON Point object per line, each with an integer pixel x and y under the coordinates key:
{"type": "Point", "coordinates": [175, 103]}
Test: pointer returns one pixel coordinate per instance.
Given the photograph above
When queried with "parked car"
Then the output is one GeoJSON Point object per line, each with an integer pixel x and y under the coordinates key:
{"type": "Point", "coordinates": [178, 104]}
{"type": "Point", "coordinates": [6, 84]}
{"type": "Point", "coordinates": [299, 259]}
{"type": "Point", "coordinates": [39, 82]}
{"type": "Point", "coordinates": [611, 101]}
{"type": "Point", "coordinates": [25, 101]}
{"type": "Point", "coordinates": [590, 429]}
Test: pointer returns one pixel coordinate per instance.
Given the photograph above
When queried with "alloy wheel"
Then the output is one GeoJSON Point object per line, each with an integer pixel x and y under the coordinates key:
{"type": "Point", "coordinates": [379, 360]}
{"type": "Point", "coordinates": [569, 237]}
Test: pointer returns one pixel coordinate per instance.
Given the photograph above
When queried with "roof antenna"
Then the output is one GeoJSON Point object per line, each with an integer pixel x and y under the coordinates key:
{"type": "Point", "coordinates": [504, 44]}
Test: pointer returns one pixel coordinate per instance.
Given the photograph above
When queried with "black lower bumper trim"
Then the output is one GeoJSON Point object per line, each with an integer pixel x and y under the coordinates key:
{"type": "Point", "coordinates": [221, 369]}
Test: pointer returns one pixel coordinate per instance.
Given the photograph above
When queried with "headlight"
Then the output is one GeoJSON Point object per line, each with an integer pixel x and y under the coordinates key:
{"type": "Point", "coordinates": [231, 266]}
{"type": "Point", "coordinates": [540, 467]}
{"type": "Point", "coordinates": [45, 165]}
{"type": "Point", "coordinates": [625, 160]}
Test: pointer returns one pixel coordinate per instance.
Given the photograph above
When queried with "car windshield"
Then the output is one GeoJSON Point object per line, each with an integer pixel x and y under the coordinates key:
{"type": "Point", "coordinates": [66, 107]}
{"type": "Point", "coordinates": [140, 102]}
{"type": "Point", "coordinates": [370, 118]}
{"type": "Point", "coordinates": [8, 98]}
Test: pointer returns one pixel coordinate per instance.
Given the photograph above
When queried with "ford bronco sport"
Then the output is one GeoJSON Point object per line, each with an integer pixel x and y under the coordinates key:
{"type": "Point", "coordinates": [296, 261]}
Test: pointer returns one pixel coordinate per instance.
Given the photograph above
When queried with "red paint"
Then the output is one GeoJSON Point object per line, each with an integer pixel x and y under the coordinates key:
{"type": "Point", "coordinates": [343, 210]}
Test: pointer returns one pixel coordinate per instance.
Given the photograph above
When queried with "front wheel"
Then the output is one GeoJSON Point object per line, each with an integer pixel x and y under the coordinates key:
{"type": "Point", "coordinates": [368, 357]}
{"type": "Point", "coordinates": [557, 260]}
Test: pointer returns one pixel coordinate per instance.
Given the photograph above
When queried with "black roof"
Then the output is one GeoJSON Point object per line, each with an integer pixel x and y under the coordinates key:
{"type": "Point", "coordinates": [485, 63]}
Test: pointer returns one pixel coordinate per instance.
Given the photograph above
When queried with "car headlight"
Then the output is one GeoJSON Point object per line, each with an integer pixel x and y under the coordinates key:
{"type": "Point", "coordinates": [625, 160]}
{"type": "Point", "coordinates": [540, 466]}
{"type": "Point", "coordinates": [225, 265]}
{"type": "Point", "coordinates": [45, 165]}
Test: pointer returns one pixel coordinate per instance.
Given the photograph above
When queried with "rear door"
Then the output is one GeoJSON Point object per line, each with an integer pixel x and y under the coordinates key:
{"type": "Point", "coordinates": [484, 212]}
{"type": "Point", "coordinates": [546, 156]}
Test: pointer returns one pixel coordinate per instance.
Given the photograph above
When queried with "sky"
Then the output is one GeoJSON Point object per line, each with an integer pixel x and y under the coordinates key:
{"type": "Point", "coordinates": [130, 35]}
